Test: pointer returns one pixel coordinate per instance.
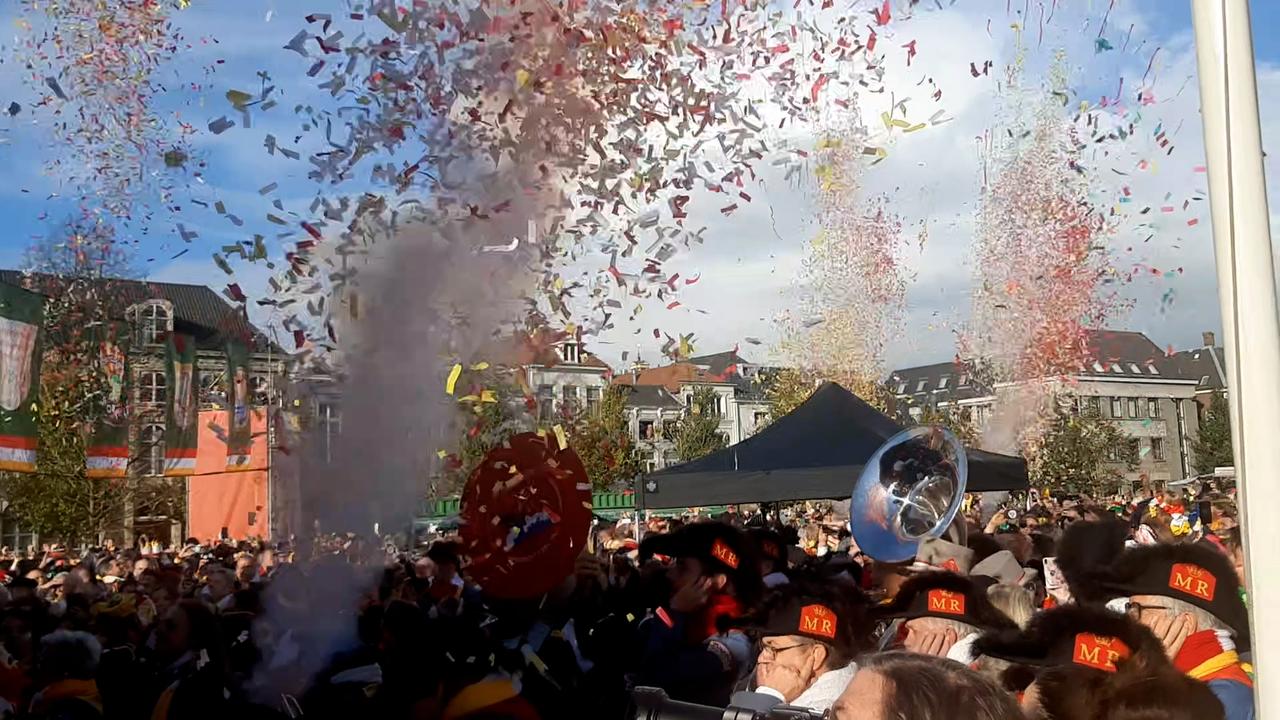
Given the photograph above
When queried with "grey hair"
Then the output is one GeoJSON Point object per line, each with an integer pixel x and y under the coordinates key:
{"type": "Point", "coordinates": [1205, 620]}
{"type": "Point", "coordinates": [962, 630]}
{"type": "Point", "coordinates": [1016, 602]}
{"type": "Point", "coordinates": [921, 687]}
{"type": "Point", "coordinates": [70, 654]}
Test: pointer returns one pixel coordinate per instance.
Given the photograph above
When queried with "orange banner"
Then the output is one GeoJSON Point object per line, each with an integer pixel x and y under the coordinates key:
{"type": "Point", "coordinates": [237, 502]}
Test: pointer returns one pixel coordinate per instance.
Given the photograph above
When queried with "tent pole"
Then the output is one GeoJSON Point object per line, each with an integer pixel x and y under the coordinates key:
{"type": "Point", "coordinates": [1247, 294]}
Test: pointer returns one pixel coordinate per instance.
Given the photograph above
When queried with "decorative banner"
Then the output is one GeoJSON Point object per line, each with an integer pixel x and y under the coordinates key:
{"type": "Point", "coordinates": [21, 314]}
{"type": "Point", "coordinates": [107, 454]}
{"type": "Point", "coordinates": [525, 513]}
{"type": "Point", "coordinates": [239, 401]}
{"type": "Point", "coordinates": [182, 418]}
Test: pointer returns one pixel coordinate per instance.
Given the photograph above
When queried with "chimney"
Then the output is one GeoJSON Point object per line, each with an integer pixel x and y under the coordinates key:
{"type": "Point", "coordinates": [1207, 337]}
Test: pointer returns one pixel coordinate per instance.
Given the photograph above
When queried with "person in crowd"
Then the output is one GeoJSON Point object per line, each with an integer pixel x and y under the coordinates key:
{"type": "Point", "coordinates": [773, 556]}
{"type": "Point", "coordinates": [66, 669]}
{"type": "Point", "coordinates": [1189, 596]}
{"type": "Point", "coordinates": [906, 686]}
{"type": "Point", "coordinates": [942, 614]}
{"type": "Point", "coordinates": [1013, 601]}
{"type": "Point", "coordinates": [190, 664]}
{"type": "Point", "coordinates": [1080, 662]}
{"type": "Point", "coordinates": [810, 634]}
{"type": "Point", "coordinates": [684, 646]}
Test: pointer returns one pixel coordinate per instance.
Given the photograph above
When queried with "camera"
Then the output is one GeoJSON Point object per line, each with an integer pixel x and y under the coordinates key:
{"type": "Point", "coordinates": [648, 703]}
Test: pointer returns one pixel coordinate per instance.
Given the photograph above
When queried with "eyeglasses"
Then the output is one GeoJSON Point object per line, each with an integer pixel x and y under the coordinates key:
{"type": "Point", "coordinates": [772, 651]}
{"type": "Point", "coordinates": [1134, 609]}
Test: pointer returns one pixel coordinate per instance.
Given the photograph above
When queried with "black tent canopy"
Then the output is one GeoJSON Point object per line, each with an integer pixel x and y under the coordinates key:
{"type": "Point", "coordinates": [814, 452]}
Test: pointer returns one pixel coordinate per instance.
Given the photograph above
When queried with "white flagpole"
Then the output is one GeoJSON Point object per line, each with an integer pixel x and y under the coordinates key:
{"type": "Point", "coordinates": [1247, 293]}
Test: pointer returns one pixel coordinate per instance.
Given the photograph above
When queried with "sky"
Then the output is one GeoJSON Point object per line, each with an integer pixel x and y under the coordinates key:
{"type": "Point", "coordinates": [749, 267]}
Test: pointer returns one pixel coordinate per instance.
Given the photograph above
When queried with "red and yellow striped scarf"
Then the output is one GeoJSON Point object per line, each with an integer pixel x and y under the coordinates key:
{"type": "Point", "coordinates": [1205, 657]}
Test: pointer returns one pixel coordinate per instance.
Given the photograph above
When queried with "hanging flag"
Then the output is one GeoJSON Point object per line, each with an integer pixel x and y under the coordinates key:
{"type": "Point", "coordinates": [182, 415]}
{"type": "Point", "coordinates": [239, 406]}
{"type": "Point", "coordinates": [107, 454]}
{"type": "Point", "coordinates": [21, 314]}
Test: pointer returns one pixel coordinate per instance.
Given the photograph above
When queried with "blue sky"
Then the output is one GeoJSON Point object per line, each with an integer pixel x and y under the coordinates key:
{"type": "Point", "coordinates": [744, 283]}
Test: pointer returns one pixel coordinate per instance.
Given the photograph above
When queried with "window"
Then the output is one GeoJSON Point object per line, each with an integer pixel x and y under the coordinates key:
{"type": "Point", "coordinates": [1093, 405]}
{"type": "Point", "coordinates": [593, 401]}
{"type": "Point", "coordinates": [546, 402]}
{"type": "Point", "coordinates": [921, 384]}
{"type": "Point", "coordinates": [1115, 368]}
{"type": "Point", "coordinates": [1133, 367]}
{"type": "Point", "coordinates": [1153, 408]}
{"type": "Point", "coordinates": [902, 387]}
{"type": "Point", "coordinates": [650, 464]}
{"type": "Point", "coordinates": [670, 458]}
{"type": "Point", "coordinates": [982, 413]}
{"type": "Point", "coordinates": [1097, 367]}
{"type": "Point", "coordinates": [569, 398]}
{"type": "Point", "coordinates": [1204, 379]}
{"type": "Point", "coordinates": [330, 416]}
{"type": "Point", "coordinates": [152, 388]}
{"type": "Point", "coordinates": [964, 380]}
{"type": "Point", "coordinates": [153, 321]}
{"type": "Point", "coordinates": [260, 386]}
{"type": "Point", "coordinates": [16, 537]}
{"type": "Point", "coordinates": [1157, 449]}
{"type": "Point", "coordinates": [915, 413]}
{"type": "Point", "coordinates": [151, 450]}
{"type": "Point", "coordinates": [1117, 407]}
{"type": "Point", "coordinates": [942, 382]}
{"type": "Point", "coordinates": [571, 352]}
{"type": "Point", "coordinates": [759, 418]}
{"type": "Point", "coordinates": [646, 430]}
{"type": "Point", "coordinates": [1152, 369]}
{"type": "Point", "coordinates": [1135, 409]}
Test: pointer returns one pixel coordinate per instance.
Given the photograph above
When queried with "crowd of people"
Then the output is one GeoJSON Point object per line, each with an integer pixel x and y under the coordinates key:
{"type": "Point", "coordinates": [1050, 609]}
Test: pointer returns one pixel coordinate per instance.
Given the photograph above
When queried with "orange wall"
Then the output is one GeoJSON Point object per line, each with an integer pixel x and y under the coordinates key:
{"type": "Point", "coordinates": [217, 499]}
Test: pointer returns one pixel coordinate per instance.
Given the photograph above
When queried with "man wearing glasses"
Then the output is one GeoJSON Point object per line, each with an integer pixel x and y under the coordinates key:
{"type": "Point", "coordinates": [1189, 596]}
{"type": "Point", "coordinates": [809, 634]}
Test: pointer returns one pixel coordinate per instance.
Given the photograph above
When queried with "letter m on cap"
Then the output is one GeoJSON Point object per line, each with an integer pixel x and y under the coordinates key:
{"type": "Point", "coordinates": [722, 552]}
{"type": "Point", "coordinates": [818, 620]}
{"type": "Point", "coordinates": [1098, 652]}
{"type": "Point", "coordinates": [1193, 580]}
{"type": "Point", "coordinates": [946, 602]}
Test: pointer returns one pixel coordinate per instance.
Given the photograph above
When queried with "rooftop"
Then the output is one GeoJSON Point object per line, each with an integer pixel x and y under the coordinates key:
{"type": "Point", "coordinates": [197, 310]}
{"type": "Point", "coordinates": [1115, 354]}
{"type": "Point", "coordinates": [651, 396]}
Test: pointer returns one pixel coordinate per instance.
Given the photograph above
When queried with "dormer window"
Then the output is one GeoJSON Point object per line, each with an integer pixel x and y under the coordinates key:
{"type": "Point", "coordinates": [152, 321]}
{"type": "Point", "coordinates": [571, 352]}
{"type": "Point", "coordinates": [942, 382]}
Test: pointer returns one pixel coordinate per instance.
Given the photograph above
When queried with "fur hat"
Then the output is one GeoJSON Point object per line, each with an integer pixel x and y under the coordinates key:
{"type": "Point", "coordinates": [829, 613]}
{"type": "Point", "coordinates": [1075, 634]}
{"type": "Point", "coordinates": [721, 548]}
{"type": "Point", "coordinates": [1195, 574]}
{"type": "Point", "coordinates": [1085, 550]}
{"type": "Point", "coordinates": [947, 596]}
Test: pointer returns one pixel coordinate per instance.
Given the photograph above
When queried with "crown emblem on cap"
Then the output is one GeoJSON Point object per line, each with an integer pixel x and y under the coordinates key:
{"type": "Point", "coordinates": [946, 602]}
{"type": "Point", "coordinates": [817, 620]}
{"type": "Point", "coordinates": [722, 552]}
{"type": "Point", "coordinates": [1193, 580]}
{"type": "Point", "coordinates": [1098, 651]}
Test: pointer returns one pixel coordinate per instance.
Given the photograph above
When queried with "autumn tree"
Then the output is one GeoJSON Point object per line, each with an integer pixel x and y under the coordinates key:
{"type": "Point", "coordinates": [490, 411]}
{"type": "Point", "coordinates": [1081, 453]}
{"type": "Point", "coordinates": [787, 389]}
{"type": "Point", "coordinates": [603, 440]}
{"type": "Point", "coordinates": [75, 269]}
{"type": "Point", "coordinates": [1212, 446]}
{"type": "Point", "coordinates": [698, 432]}
{"type": "Point", "coordinates": [957, 420]}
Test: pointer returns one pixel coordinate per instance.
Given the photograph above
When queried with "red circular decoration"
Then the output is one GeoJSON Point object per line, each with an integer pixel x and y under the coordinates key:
{"type": "Point", "coordinates": [525, 513]}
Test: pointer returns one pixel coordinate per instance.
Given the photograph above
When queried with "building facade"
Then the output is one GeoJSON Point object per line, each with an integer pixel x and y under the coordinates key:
{"type": "Point", "coordinates": [1130, 382]}
{"type": "Point", "coordinates": [660, 396]}
{"type": "Point", "coordinates": [153, 310]}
